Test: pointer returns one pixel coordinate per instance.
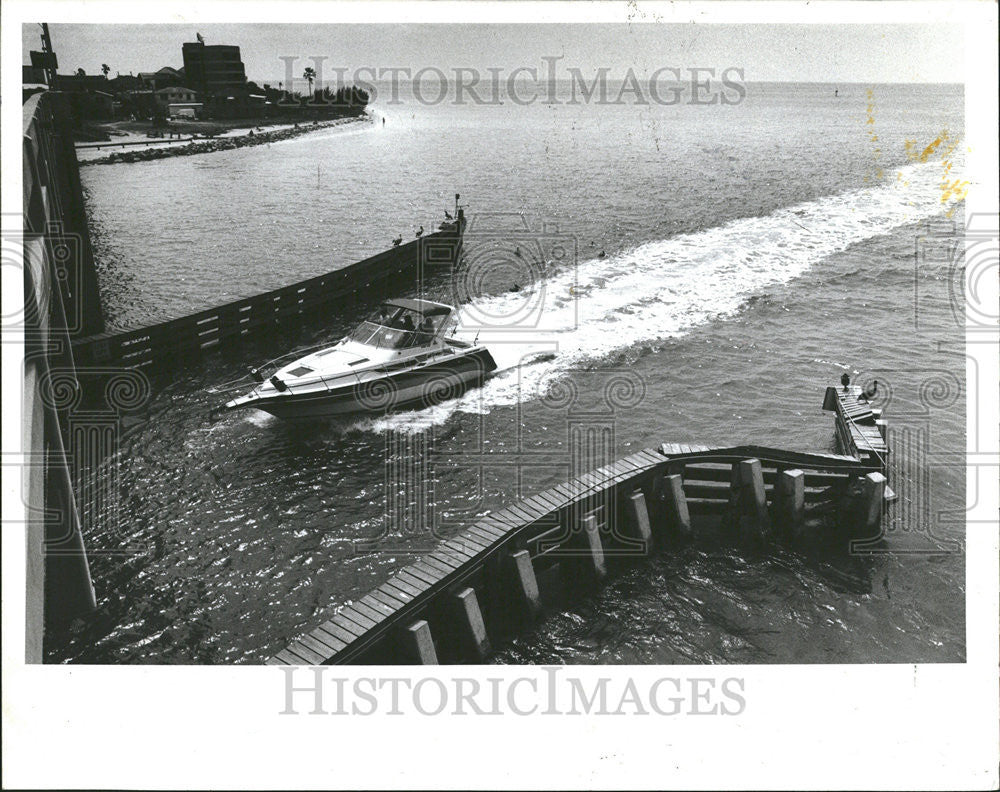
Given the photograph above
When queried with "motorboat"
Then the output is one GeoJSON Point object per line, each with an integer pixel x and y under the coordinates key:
{"type": "Point", "coordinates": [401, 356]}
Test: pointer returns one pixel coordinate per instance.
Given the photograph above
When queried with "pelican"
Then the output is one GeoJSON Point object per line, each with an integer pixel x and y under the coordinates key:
{"type": "Point", "coordinates": [420, 231]}
{"type": "Point", "coordinates": [869, 393]}
{"type": "Point", "coordinates": [397, 241]}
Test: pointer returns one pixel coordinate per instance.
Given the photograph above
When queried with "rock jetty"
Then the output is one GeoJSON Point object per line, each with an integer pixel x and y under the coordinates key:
{"type": "Point", "coordinates": [208, 145]}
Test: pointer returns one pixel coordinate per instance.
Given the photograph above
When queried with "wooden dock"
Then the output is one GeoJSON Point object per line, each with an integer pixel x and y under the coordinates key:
{"type": "Point", "coordinates": [493, 579]}
{"type": "Point", "coordinates": [860, 430]}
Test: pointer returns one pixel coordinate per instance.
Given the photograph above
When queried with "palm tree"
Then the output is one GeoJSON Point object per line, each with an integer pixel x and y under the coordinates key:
{"type": "Point", "coordinates": [105, 69]}
{"type": "Point", "coordinates": [310, 75]}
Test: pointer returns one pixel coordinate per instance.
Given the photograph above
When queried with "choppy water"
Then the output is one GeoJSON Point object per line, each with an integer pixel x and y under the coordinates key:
{"type": "Point", "coordinates": [751, 254]}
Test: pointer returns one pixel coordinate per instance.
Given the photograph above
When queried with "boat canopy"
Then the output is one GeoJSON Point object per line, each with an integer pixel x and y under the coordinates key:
{"type": "Point", "coordinates": [422, 307]}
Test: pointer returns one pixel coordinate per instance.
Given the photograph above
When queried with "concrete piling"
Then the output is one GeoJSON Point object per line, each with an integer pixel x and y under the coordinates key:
{"type": "Point", "coordinates": [471, 623]}
{"type": "Point", "coordinates": [638, 520]}
{"type": "Point", "coordinates": [678, 516]}
{"type": "Point", "coordinates": [748, 500]}
{"type": "Point", "coordinates": [525, 584]}
{"type": "Point", "coordinates": [789, 501]}
{"type": "Point", "coordinates": [592, 543]}
{"type": "Point", "coordinates": [421, 643]}
{"type": "Point", "coordinates": [873, 495]}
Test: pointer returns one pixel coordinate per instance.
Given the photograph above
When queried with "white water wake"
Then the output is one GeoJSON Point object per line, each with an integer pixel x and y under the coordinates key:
{"type": "Point", "coordinates": [662, 289]}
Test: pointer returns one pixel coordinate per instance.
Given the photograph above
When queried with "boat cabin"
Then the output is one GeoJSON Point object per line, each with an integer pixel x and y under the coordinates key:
{"type": "Point", "coordinates": [403, 324]}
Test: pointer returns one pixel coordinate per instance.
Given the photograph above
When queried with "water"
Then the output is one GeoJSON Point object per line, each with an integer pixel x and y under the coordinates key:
{"type": "Point", "coordinates": [751, 254]}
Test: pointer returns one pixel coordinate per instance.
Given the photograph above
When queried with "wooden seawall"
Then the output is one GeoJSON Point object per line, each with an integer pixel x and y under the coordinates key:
{"type": "Point", "coordinates": [493, 579]}
{"type": "Point", "coordinates": [369, 280]}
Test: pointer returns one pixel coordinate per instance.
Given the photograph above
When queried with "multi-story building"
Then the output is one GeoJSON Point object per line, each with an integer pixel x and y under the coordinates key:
{"type": "Point", "coordinates": [215, 71]}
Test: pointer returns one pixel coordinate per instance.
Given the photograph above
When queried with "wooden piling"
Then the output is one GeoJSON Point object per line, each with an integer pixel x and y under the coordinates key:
{"type": "Point", "coordinates": [789, 501]}
{"type": "Point", "coordinates": [421, 643]}
{"type": "Point", "coordinates": [678, 517]}
{"type": "Point", "coordinates": [524, 582]}
{"type": "Point", "coordinates": [883, 428]}
{"type": "Point", "coordinates": [638, 519]}
{"type": "Point", "coordinates": [873, 494]}
{"type": "Point", "coordinates": [595, 554]}
{"type": "Point", "coordinates": [471, 623]}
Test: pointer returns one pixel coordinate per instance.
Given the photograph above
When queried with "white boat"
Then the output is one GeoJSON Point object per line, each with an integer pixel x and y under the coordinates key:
{"type": "Point", "coordinates": [399, 357]}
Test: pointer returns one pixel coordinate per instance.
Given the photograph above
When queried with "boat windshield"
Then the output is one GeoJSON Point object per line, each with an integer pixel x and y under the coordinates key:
{"type": "Point", "coordinates": [397, 329]}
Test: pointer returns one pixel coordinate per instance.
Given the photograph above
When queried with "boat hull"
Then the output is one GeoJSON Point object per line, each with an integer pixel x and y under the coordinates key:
{"type": "Point", "coordinates": [408, 389]}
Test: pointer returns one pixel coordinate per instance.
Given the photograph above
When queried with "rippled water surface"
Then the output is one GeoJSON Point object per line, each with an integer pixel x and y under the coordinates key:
{"type": "Point", "coordinates": [751, 254]}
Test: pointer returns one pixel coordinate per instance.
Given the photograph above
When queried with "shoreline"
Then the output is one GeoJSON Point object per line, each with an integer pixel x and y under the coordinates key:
{"type": "Point", "coordinates": [161, 150]}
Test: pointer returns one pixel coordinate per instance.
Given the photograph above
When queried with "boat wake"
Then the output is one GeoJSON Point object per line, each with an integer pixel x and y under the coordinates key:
{"type": "Point", "coordinates": [662, 289]}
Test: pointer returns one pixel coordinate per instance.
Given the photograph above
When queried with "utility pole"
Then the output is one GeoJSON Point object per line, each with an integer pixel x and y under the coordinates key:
{"type": "Point", "coordinates": [49, 57]}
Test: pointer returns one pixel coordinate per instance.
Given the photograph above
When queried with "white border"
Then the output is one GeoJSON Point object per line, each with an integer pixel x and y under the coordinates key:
{"type": "Point", "coordinates": [916, 726]}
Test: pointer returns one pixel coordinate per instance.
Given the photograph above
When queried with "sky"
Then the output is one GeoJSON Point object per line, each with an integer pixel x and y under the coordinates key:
{"type": "Point", "coordinates": [767, 53]}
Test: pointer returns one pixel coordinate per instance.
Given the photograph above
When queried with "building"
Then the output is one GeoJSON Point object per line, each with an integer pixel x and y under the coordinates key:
{"type": "Point", "coordinates": [175, 95]}
{"type": "Point", "coordinates": [33, 75]}
{"type": "Point", "coordinates": [163, 78]}
{"type": "Point", "coordinates": [125, 82]}
{"type": "Point", "coordinates": [80, 83]}
{"type": "Point", "coordinates": [215, 71]}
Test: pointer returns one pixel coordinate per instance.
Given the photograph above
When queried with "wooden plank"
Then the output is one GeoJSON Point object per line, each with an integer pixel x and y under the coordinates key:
{"type": "Point", "coordinates": [568, 490]}
{"type": "Point", "coordinates": [472, 538]}
{"type": "Point", "coordinates": [376, 605]}
{"type": "Point", "coordinates": [322, 649]}
{"type": "Point", "coordinates": [551, 499]}
{"type": "Point", "coordinates": [651, 455]}
{"type": "Point", "coordinates": [393, 599]}
{"type": "Point", "coordinates": [440, 567]}
{"type": "Point", "coordinates": [524, 516]}
{"type": "Point", "coordinates": [311, 656]}
{"type": "Point", "coordinates": [345, 624]}
{"type": "Point", "coordinates": [458, 554]}
{"type": "Point", "coordinates": [432, 573]}
{"type": "Point", "coordinates": [415, 582]}
{"type": "Point", "coordinates": [412, 586]}
{"type": "Point", "coordinates": [399, 590]}
{"type": "Point", "coordinates": [284, 657]}
{"type": "Point", "coordinates": [535, 506]}
{"type": "Point", "coordinates": [468, 543]}
{"type": "Point", "coordinates": [352, 615]}
{"type": "Point", "coordinates": [505, 517]}
{"type": "Point", "coordinates": [448, 557]}
{"type": "Point", "coordinates": [488, 538]}
{"type": "Point", "coordinates": [336, 631]}
{"type": "Point", "coordinates": [330, 640]}
{"type": "Point", "coordinates": [489, 525]}
{"type": "Point", "coordinates": [565, 492]}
